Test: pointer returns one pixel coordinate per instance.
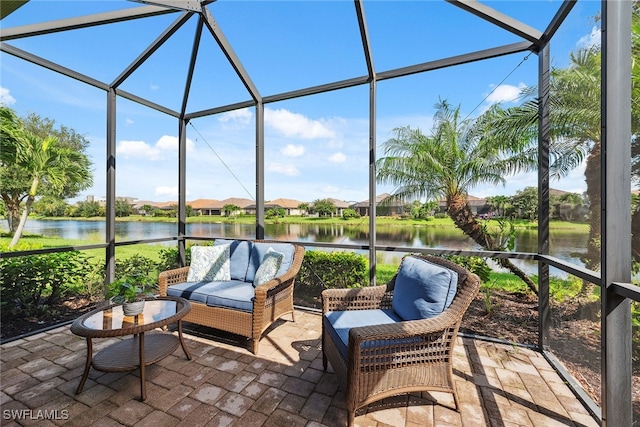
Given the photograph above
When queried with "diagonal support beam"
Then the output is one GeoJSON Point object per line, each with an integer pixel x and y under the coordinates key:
{"type": "Point", "coordinates": [34, 59]}
{"type": "Point", "coordinates": [499, 19]}
{"type": "Point", "coordinates": [81, 22]}
{"type": "Point", "coordinates": [185, 5]}
{"type": "Point", "coordinates": [364, 35]}
{"type": "Point", "coordinates": [230, 54]}
{"type": "Point", "coordinates": [177, 24]}
{"type": "Point", "coordinates": [558, 19]}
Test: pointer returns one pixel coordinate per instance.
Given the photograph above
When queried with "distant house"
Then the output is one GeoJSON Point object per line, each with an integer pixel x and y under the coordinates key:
{"type": "Point", "coordinates": [138, 206]}
{"type": "Point", "coordinates": [341, 205]}
{"type": "Point", "coordinates": [386, 205]}
{"type": "Point", "coordinates": [290, 206]}
{"type": "Point", "coordinates": [236, 201]}
{"type": "Point", "coordinates": [205, 206]}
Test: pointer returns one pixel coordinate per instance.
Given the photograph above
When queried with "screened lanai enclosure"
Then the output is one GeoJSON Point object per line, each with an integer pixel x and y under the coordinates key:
{"type": "Point", "coordinates": [228, 87]}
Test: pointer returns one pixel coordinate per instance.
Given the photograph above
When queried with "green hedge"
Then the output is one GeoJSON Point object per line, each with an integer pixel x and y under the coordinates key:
{"type": "Point", "coordinates": [333, 270]}
{"type": "Point", "coordinates": [32, 285]}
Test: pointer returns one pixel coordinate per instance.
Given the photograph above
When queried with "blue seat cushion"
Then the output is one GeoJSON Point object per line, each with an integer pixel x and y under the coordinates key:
{"type": "Point", "coordinates": [192, 291]}
{"type": "Point", "coordinates": [234, 294]}
{"type": "Point", "coordinates": [338, 323]}
{"type": "Point", "coordinates": [239, 257]}
{"type": "Point", "coordinates": [257, 255]}
{"type": "Point", "coordinates": [422, 289]}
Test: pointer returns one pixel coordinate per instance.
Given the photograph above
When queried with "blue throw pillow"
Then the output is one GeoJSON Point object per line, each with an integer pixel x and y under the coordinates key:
{"type": "Point", "coordinates": [423, 289]}
{"type": "Point", "coordinates": [269, 267]}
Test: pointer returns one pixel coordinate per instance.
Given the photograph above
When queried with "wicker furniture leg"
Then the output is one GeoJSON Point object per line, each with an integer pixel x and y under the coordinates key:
{"type": "Point", "coordinates": [87, 366]}
{"type": "Point", "coordinates": [182, 343]}
{"type": "Point", "coordinates": [143, 388]}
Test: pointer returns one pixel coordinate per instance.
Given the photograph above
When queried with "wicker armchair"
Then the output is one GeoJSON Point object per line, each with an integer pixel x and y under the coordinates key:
{"type": "Point", "coordinates": [272, 300]}
{"type": "Point", "coordinates": [390, 359]}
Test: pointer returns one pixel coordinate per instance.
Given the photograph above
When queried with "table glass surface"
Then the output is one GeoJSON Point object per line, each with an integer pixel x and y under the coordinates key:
{"type": "Point", "coordinates": [113, 317]}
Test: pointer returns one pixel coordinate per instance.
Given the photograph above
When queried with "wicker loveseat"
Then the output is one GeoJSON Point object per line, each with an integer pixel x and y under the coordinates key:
{"type": "Point", "coordinates": [376, 354]}
{"type": "Point", "coordinates": [239, 305]}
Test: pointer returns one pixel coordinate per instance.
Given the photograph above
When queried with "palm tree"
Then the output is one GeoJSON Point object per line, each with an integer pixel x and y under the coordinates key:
{"type": "Point", "coordinates": [574, 108]}
{"type": "Point", "coordinates": [44, 161]}
{"type": "Point", "coordinates": [499, 203]}
{"type": "Point", "coordinates": [456, 157]}
{"type": "Point", "coordinates": [231, 209]}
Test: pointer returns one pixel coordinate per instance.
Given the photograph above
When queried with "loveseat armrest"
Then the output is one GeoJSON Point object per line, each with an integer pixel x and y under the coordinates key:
{"type": "Point", "coordinates": [171, 277]}
{"type": "Point", "coordinates": [368, 298]}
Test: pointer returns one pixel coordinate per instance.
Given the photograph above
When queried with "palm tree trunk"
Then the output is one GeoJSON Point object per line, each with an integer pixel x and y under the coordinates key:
{"type": "Point", "coordinates": [25, 212]}
{"type": "Point", "coordinates": [23, 221]}
{"type": "Point", "coordinates": [459, 211]}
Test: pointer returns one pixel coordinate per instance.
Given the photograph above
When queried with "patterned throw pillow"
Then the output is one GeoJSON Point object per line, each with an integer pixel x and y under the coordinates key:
{"type": "Point", "coordinates": [270, 265]}
{"type": "Point", "coordinates": [209, 264]}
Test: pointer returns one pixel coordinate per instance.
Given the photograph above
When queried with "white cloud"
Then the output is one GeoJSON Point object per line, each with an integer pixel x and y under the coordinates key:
{"type": "Point", "coordinates": [590, 40]}
{"type": "Point", "coordinates": [242, 116]}
{"type": "Point", "coordinates": [142, 150]}
{"type": "Point", "coordinates": [5, 98]}
{"type": "Point", "coordinates": [338, 158]}
{"type": "Point", "coordinates": [296, 125]}
{"type": "Point", "coordinates": [167, 192]}
{"type": "Point", "coordinates": [153, 86]}
{"type": "Point", "coordinates": [129, 121]}
{"type": "Point", "coordinates": [292, 150]}
{"type": "Point", "coordinates": [505, 93]}
{"type": "Point", "coordinates": [137, 149]}
{"type": "Point", "coordinates": [285, 169]}
{"type": "Point", "coordinates": [170, 143]}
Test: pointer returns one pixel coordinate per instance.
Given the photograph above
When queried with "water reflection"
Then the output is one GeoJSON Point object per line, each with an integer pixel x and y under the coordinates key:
{"type": "Point", "coordinates": [569, 246]}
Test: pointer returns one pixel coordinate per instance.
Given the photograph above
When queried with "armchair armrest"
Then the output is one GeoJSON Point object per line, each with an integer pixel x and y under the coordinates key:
{"type": "Point", "coordinates": [414, 341]}
{"type": "Point", "coordinates": [171, 277]}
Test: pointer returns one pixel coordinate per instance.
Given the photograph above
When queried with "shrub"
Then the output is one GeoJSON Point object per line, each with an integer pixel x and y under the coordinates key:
{"type": "Point", "coordinates": [31, 285]}
{"type": "Point", "coordinates": [474, 264]}
{"type": "Point", "coordinates": [135, 266]}
{"type": "Point", "coordinates": [275, 213]}
{"type": "Point", "coordinates": [169, 259]}
{"type": "Point", "coordinates": [333, 270]}
{"type": "Point", "coordinates": [322, 270]}
{"type": "Point", "coordinates": [350, 213]}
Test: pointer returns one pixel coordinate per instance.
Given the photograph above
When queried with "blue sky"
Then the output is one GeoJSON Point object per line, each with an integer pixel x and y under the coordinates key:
{"type": "Point", "coordinates": [316, 146]}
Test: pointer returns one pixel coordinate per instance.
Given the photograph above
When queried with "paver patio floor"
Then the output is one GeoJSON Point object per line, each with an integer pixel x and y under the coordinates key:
{"type": "Point", "coordinates": [283, 385]}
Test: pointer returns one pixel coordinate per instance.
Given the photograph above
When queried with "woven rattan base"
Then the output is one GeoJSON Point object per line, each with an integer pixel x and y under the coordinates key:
{"type": "Point", "coordinates": [125, 355]}
{"type": "Point", "coordinates": [141, 349]}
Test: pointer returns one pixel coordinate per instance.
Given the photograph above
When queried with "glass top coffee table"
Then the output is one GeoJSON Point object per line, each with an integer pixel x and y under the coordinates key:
{"type": "Point", "coordinates": [138, 351]}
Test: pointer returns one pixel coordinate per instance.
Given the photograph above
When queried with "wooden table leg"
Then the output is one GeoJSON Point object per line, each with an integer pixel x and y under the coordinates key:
{"type": "Point", "coordinates": [87, 366]}
{"type": "Point", "coordinates": [143, 388]}
{"type": "Point", "coordinates": [182, 343]}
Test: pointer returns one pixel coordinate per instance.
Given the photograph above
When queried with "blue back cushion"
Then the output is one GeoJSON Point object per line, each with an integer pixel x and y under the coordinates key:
{"type": "Point", "coordinates": [257, 255]}
{"type": "Point", "coordinates": [423, 289]}
{"type": "Point", "coordinates": [240, 253]}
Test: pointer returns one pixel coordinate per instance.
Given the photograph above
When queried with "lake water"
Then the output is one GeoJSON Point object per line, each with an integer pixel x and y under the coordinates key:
{"type": "Point", "coordinates": [568, 246]}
